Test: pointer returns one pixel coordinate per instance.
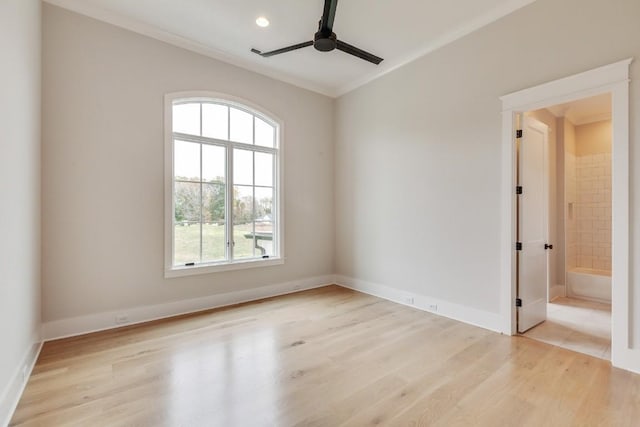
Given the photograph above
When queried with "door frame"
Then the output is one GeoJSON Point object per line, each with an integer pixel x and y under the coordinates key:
{"type": "Point", "coordinates": [613, 79]}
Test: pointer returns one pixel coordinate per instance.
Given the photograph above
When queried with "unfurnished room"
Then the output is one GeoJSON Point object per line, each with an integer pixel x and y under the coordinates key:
{"type": "Point", "coordinates": [319, 213]}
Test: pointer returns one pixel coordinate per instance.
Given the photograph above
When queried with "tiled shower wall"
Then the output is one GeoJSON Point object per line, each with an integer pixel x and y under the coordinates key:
{"type": "Point", "coordinates": [593, 212]}
{"type": "Point", "coordinates": [587, 169]}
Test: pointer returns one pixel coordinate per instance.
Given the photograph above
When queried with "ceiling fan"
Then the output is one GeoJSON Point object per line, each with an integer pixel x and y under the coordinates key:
{"type": "Point", "coordinates": [325, 40]}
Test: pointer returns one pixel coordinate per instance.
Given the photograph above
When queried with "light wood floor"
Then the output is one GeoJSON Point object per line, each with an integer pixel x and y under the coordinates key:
{"type": "Point", "coordinates": [327, 357]}
{"type": "Point", "coordinates": [578, 325]}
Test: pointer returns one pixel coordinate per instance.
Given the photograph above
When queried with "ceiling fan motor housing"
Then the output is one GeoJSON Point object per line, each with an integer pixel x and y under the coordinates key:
{"type": "Point", "coordinates": [325, 42]}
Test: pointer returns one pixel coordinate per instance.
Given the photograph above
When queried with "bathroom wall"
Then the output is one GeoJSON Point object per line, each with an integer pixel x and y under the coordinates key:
{"type": "Point", "coordinates": [593, 166]}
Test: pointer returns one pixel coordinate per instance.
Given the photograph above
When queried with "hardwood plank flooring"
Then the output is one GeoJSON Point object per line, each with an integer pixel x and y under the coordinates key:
{"type": "Point", "coordinates": [326, 357]}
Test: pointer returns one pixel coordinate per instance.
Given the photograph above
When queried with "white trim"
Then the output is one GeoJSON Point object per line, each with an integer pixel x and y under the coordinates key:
{"type": "Point", "coordinates": [577, 86]}
{"type": "Point", "coordinates": [472, 316]}
{"type": "Point", "coordinates": [171, 271]}
{"type": "Point", "coordinates": [614, 79]}
{"type": "Point", "coordinates": [508, 232]}
{"type": "Point", "coordinates": [107, 320]}
{"type": "Point", "coordinates": [92, 10]}
{"type": "Point", "coordinates": [217, 268]}
{"type": "Point", "coordinates": [12, 393]}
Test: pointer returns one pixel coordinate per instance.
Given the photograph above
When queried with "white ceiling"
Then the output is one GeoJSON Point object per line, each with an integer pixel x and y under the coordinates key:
{"type": "Point", "coordinates": [397, 30]}
{"type": "Point", "coordinates": [583, 111]}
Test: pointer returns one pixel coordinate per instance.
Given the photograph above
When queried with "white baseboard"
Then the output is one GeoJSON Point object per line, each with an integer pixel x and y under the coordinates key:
{"type": "Point", "coordinates": [626, 358]}
{"type": "Point", "coordinates": [472, 316]}
{"type": "Point", "coordinates": [13, 391]}
{"type": "Point", "coordinates": [107, 320]}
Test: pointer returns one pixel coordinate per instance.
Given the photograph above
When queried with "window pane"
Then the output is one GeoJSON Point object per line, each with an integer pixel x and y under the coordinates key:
{"type": "Point", "coordinates": [243, 236]}
{"type": "Point", "coordinates": [186, 118]}
{"type": "Point", "coordinates": [187, 222]}
{"type": "Point", "coordinates": [263, 204]}
{"type": "Point", "coordinates": [214, 240]}
{"type": "Point", "coordinates": [215, 122]}
{"type": "Point", "coordinates": [187, 202]}
{"type": "Point", "coordinates": [265, 133]}
{"type": "Point", "coordinates": [241, 126]}
{"type": "Point", "coordinates": [187, 243]}
{"type": "Point", "coordinates": [186, 160]}
{"type": "Point", "coordinates": [264, 169]}
{"type": "Point", "coordinates": [213, 197]}
{"type": "Point", "coordinates": [264, 238]}
{"type": "Point", "coordinates": [243, 221]}
{"type": "Point", "coordinates": [242, 167]}
{"type": "Point", "coordinates": [242, 204]}
{"type": "Point", "coordinates": [213, 161]}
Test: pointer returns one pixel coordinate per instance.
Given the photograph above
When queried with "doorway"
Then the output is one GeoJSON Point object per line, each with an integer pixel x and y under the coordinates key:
{"type": "Point", "coordinates": [577, 287]}
{"type": "Point", "coordinates": [613, 79]}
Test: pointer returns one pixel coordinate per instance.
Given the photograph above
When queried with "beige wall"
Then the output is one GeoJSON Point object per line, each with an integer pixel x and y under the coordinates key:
{"type": "Point", "coordinates": [103, 172]}
{"type": "Point", "coordinates": [19, 192]}
{"type": "Point", "coordinates": [418, 200]}
{"type": "Point", "coordinates": [593, 138]}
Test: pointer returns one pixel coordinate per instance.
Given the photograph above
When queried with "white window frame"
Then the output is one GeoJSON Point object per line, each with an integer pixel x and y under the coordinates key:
{"type": "Point", "coordinates": [277, 258]}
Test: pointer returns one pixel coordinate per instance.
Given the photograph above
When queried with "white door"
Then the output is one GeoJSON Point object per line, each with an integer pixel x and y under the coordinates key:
{"type": "Point", "coordinates": [533, 221]}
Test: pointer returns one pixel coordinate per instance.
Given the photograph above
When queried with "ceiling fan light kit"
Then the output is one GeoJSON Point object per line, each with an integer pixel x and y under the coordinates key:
{"type": "Point", "coordinates": [325, 40]}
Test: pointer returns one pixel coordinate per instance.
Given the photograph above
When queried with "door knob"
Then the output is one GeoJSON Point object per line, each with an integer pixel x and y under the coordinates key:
{"type": "Point", "coordinates": [548, 246]}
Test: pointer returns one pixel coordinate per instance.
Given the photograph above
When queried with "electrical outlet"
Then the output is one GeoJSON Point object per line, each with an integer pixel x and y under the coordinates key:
{"type": "Point", "coordinates": [432, 307]}
{"type": "Point", "coordinates": [409, 300]}
{"type": "Point", "coordinates": [121, 318]}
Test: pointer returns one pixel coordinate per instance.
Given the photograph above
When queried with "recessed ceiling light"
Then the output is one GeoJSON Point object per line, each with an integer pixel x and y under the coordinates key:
{"type": "Point", "coordinates": [261, 21]}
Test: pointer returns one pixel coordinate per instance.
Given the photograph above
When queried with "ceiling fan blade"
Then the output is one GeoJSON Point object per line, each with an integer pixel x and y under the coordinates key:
{"type": "Point", "coordinates": [328, 15]}
{"type": "Point", "coordinates": [282, 50]}
{"type": "Point", "coordinates": [352, 50]}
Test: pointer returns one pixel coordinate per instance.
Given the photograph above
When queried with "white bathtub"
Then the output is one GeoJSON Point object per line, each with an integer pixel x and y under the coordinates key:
{"type": "Point", "coordinates": [589, 283]}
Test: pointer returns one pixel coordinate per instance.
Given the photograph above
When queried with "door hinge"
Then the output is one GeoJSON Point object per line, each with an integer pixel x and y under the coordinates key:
{"type": "Point", "coordinates": [518, 246]}
{"type": "Point", "coordinates": [519, 189]}
{"type": "Point", "coordinates": [518, 302]}
{"type": "Point", "coordinates": [519, 133]}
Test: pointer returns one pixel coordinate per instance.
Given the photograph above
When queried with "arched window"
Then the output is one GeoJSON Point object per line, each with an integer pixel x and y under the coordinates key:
{"type": "Point", "coordinates": [223, 185]}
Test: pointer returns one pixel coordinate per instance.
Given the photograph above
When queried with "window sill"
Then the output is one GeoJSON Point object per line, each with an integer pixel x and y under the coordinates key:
{"type": "Point", "coordinates": [216, 268]}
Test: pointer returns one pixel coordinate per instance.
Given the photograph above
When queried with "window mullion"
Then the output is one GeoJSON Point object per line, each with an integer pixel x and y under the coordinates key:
{"type": "Point", "coordinates": [201, 192]}
{"type": "Point", "coordinates": [229, 206]}
{"type": "Point", "coordinates": [275, 206]}
{"type": "Point", "coordinates": [253, 198]}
